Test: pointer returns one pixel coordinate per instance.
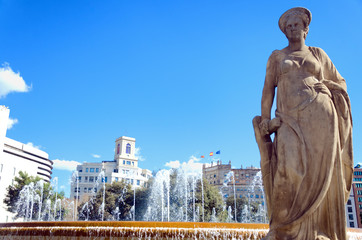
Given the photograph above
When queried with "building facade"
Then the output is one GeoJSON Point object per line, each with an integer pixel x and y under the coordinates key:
{"type": "Point", "coordinates": [16, 156]}
{"type": "Point", "coordinates": [351, 217]}
{"type": "Point", "coordinates": [247, 181]}
{"type": "Point", "coordinates": [124, 167]}
{"type": "Point", "coordinates": [357, 195]}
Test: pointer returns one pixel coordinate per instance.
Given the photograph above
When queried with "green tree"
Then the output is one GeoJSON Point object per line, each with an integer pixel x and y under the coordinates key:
{"type": "Point", "coordinates": [212, 200]}
{"type": "Point", "coordinates": [142, 196]}
{"type": "Point", "coordinates": [118, 203]}
{"type": "Point", "coordinates": [29, 197]}
{"type": "Point", "coordinates": [240, 204]}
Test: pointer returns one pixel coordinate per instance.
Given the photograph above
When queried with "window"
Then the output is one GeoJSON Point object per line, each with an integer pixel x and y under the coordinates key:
{"type": "Point", "coordinates": [86, 169]}
{"type": "Point", "coordinates": [128, 148]}
{"type": "Point", "coordinates": [118, 147]}
{"type": "Point", "coordinates": [351, 224]}
{"type": "Point", "coordinates": [79, 179]}
{"type": "Point", "coordinates": [92, 170]}
{"type": "Point", "coordinates": [138, 182]}
{"type": "Point", "coordinates": [85, 179]}
{"type": "Point", "coordinates": [128, 162]}
{"type": "Point", "coordinates": [116, 179]}
{"type": "Point", "coordinates": [91, 179]}
{"type": "Point", "coordinates": [76, 189]}
{"type": "Point", "coordinates": [80, 170]}
{"type": "Point", "coordinates": [124, 162]}
{"type": "Point", "coordinates": [132, 181]}
{"type": "Point", "coordinates": [85, 189]}
{"type": "Point", "coordinates": [256, 196]}
{"type": "Point", "coordinates": [89, 189]}
{"type": "Point", "coordinates": [105, 179]}
{"type": "Point", "coordinates": [132, 163]}
{"type": "Point", "coordinates": [350, 216]}
{"type": "Point", "coordinates": [349, 202]}
{"type": "Point", "coordinates": [350, 209]}
{"type": "Point", "coordinates": [97, 169]}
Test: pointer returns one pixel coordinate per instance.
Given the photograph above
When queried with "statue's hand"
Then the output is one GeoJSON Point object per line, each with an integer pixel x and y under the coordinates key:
{"type": "Point", "coordinates": [320, 87]}
{"type": "Point", "coordinates": [264, 126]}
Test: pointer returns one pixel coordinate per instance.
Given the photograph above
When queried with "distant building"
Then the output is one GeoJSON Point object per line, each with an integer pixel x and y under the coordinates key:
{"type": "Point", "coordinates": [356, 192]}
{"type": "Point", "coordinates": [220, 176]}
{"type": "Point", "coordinates": [351, 217]}
{"type": "Point", "coordinates": [16, 156]}
{"type": "Point", "coordinates": [123, 167]}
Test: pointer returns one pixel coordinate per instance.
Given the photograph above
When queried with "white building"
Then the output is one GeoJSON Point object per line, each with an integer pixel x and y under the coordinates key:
{"type": "Point", "coordinates": [351, 215]}
{"type": "Point", "coordinates": [123, 167]}
{"type": "Point", "coordinates": [16, 156]}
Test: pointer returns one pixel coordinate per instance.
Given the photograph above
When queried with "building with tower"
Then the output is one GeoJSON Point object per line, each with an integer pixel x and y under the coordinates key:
{"type": "Point", "coordinates": [124, 167]}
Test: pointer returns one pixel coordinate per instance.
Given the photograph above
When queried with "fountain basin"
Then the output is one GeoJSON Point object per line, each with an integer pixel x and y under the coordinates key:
{"type": "Point", "coordinates": [138, 230]}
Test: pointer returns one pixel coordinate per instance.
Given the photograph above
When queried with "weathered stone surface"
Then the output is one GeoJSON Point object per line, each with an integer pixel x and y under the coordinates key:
{"type": "Point", "coordinates": [307, 169]}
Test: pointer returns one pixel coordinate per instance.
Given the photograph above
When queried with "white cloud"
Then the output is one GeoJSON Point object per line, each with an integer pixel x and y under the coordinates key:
{"type": "Point", "coordinates": [65, 165]}
{"type": "Point", "coordinates": [30, 144]}
{"type": "Point", "coordinates": [173, 164]}
{"type": "Point", "coordinates": [11, 122]}
{"type": "Point", "coordinates": [11, 81]}
{"type": "Point", "coordinates": [192, 165]}
{"type": "Point", "coordinates": [96, 156]}
{"type": "Point", "coordinates": [138, 154]}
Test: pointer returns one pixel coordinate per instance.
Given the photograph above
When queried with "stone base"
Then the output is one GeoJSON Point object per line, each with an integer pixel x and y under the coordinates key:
{"type": "Point", "coordinates": [137, 230]}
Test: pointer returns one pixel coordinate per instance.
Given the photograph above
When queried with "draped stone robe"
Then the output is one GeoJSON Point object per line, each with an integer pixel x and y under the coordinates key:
{"type": "Point", "coordinates": [308, 169]}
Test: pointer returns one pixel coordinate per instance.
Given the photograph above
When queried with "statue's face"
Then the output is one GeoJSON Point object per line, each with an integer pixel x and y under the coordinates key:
{"type": "Point", "coordinates": [294, 29]}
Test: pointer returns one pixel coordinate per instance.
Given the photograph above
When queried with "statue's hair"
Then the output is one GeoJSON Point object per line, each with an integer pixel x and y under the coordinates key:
{"type": "Point", "coordinates": [301, 12]}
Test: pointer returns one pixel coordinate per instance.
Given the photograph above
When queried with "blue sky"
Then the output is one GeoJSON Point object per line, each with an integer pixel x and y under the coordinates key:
{"type": "Point", "coordinates": [182, 77]}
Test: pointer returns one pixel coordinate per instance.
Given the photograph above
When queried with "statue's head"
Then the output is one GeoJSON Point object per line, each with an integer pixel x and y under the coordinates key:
{"type": "Point", "coordinates": [295, 22]}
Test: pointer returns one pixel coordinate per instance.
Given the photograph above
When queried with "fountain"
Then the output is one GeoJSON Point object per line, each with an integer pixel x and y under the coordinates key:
{"type": "Point", "coordinates": [138, 230]}
{"type": "Point", "coordinates": [257, 191]}
{"type": "Point", "coordinates": [180, 195]}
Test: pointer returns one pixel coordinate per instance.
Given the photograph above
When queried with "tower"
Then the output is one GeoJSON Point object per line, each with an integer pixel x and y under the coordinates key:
{"type": "Point", "coordinates": [125, 151]}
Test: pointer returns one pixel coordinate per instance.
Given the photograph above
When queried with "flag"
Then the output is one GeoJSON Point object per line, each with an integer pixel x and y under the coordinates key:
{"type": "Point", "coordinates": [202, 156]}
{"type": "Point", "coordinates": [218, 152]}
{"type": "Point", "coordinates": [211, 154]}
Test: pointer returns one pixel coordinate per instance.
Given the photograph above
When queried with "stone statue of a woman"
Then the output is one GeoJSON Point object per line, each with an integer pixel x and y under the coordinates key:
{"type": "Point", "coordinates": [307, 169]}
